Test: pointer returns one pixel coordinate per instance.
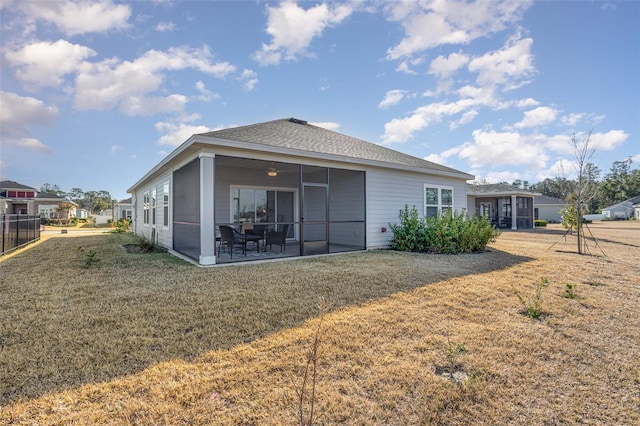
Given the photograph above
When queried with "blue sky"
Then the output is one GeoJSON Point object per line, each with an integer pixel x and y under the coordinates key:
{"type": "Point", "coordinates": [94, 94]}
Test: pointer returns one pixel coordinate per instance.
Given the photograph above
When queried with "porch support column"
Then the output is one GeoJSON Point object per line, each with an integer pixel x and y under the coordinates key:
{"type": "Point", "coordinates": [514, 213]}
{"type": "Point", "coordinates": [207, 225]}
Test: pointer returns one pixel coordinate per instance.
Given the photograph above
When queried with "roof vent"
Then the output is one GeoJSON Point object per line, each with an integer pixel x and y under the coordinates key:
{"type": "Point", "coordinates": [296, 121]}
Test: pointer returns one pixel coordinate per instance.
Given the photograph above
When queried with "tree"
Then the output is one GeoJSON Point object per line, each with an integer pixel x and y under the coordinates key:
{"type": "Point", "coordinates": [77, 196]}
{"type": "Point", "coordinates": [52, 189]}
{"type": "Point", "coordinates": [585, 189]}
{"type": "Point", "coordinates": [620, 184]}
{"type": "Point", "coordinates": [559, 187]}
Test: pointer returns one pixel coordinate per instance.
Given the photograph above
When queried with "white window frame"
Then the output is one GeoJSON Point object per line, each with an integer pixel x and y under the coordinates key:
{"type": "Point", "coordinates": [145, 208]}
{"type": "Point", "coordinates": [165, 205]}
{"type": "Point", "coordinates": [154, 207]}
{"type": "Point", "coordinates": [440, 206]}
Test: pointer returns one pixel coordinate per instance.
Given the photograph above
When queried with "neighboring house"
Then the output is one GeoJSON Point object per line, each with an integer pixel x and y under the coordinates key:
{"type": "Point", "coordinates": [25, 200]}
{"type": "Point", "coordinates": [329, 191]}
{"type": "Point", "coordinates": [506, 206]}
{"type": "Point", "coordinates": [623, 210]}
{"type": "Point", "coordinates": [123, 210]}
{"type": "Point", "coordinates": [636, 208]}
{"type": "Point", "coordinates": [548, 208]}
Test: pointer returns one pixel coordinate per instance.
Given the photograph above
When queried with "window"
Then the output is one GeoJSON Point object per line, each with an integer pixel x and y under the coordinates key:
{"type": "Point", "coordinates": [165, 205]}
{"type": "Point", "coordinates": [437, 200]}
{"type": "Point", "coordinates": [255, 205]}
{"type": "Point", "coordinates": [145, 207]}
{"type": "Point", "coordinates": [153, 207]}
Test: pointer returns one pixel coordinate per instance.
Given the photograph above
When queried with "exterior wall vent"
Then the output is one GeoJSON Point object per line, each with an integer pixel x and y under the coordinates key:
{"type": "Point", "coordinates": [297, 121]}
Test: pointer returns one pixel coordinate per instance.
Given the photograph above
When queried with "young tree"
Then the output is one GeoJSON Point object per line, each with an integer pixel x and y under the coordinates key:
{"type": "Point", "coordinates": [585, 189]}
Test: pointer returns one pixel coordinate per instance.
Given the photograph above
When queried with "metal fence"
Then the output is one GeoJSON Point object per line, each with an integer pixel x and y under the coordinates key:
{"type": "Point", "coordinates": [17, 230]}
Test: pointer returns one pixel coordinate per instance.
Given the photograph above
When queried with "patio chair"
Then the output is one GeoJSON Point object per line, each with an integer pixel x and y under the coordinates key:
{"type": "Point", "coordinates": [229, 237]}
{"type": "Point", "coordinates": [277, 237]}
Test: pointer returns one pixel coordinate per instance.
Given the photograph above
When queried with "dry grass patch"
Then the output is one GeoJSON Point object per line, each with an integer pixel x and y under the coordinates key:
{"type": "Point", "coordinates": [394, 318]}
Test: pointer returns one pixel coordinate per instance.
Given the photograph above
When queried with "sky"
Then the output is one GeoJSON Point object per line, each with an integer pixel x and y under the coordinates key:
{"type": "Point", "coordinates": [96, 93]}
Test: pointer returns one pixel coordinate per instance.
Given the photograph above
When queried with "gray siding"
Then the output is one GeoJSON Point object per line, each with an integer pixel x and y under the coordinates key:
{"type": "Point", "coordinates": [162, 236]}
{"type": "Point", "coordinates": [389, 191]}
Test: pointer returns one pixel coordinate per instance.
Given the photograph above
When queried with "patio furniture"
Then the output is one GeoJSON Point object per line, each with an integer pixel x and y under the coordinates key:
{"type": "Point", "coordinates": [277, 237]}
{"type": "Point", "coordinates": [229, 237]}
{"type": "Point", "coordinates": [256, 234]}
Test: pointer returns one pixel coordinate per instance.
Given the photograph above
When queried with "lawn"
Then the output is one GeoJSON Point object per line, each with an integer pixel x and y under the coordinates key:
{"type": "Point", "coordinates": [150, 339]}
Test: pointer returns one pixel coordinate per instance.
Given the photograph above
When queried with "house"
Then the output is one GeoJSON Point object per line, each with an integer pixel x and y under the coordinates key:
{"type": "Point", "coordinates": [123, 210]}
{"type": "Point", "coordinates": [328, 192]}
{"type": "Point", "coordinates": [623, 210]}
{"type": "Point", "coordinates": [548, 208]}
{"type": "Point", "coordinates": [505, 205]}
{"type": "Point", "coordinates": [25, 200]}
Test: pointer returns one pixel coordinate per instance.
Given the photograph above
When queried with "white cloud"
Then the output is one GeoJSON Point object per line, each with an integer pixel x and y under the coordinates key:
{"type": "Point", "coordinates": [599, 141]}
{"type": "Point", "coordinates": [18, 114]}
{"type": "Point", "coordinates": [329, 125]}
{"type": "Point", "coordinates": [45, 64]}
{"type": "Point", "coordinates": [165, 27]}
{"type": "Point", "coordinates": [430, 24]}
{"type": "Point", "coordinates": [510, 66]}
{"type": "Point", "coordinates": [402, 129]}
{"type": "Point", "coordinates": [491, 148]}
{"type": "Point", "coordinates": [561, 168]}
{"type": "Point", "coordinates": [571, 119]}
{"type": "Point", "coordinates": [405, 68]}
{"type": "Point", "coordinates": [608, 141]}
{"type": "Point", "coordinates": [134, 105]}
{"type": "Point", "coordinates": [443, 156]}
{"type": "Point", "coordinates": [293, 28]}
{"type": "Point", "coordinates": [115, 148]}
{"type": "Point", "coordinates": [174, 134]}
{"type": "Point", "coordinates": [250, 79]}
{"type": "Point", "coordinates": [105, 84]}
{"type": "Point", "coordinates": [79, 17]}
{"type": "Point", "coordinates": [526, 103]}
{"type": "Point", "coordinates": [466, 118]}
{"type": "Point", "coordinates": [445, 67]}
{"type": "Point", "coordinates": [501, 176]}
{"type": "Point", "coordinates": [392, 98]}
{"type": "Point", "coordinates": [206, 95]}
{"type": "Point", "coordinates": [538, 117]}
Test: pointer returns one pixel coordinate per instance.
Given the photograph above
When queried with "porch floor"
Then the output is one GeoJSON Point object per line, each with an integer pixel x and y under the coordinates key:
{"type": "Point", "coordinates": [292, 250]}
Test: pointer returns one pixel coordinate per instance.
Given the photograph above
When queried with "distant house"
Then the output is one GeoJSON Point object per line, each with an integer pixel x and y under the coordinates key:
{"type": "Point", "coordinates": [322, 191]}
{"type": "Point", "coordinates": [123, 210]}
{"type": "Point", "coordinates": [505, 206]}
{"type": "Point", "coordinates": [548, 208]}
{"type": "Point", "coordinates": [623, 210]}
{"type": "Point", "coordinates": [24, 200]}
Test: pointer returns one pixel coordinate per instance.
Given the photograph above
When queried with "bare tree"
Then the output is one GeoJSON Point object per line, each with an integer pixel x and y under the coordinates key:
{"type": "Point", "coordinates": [586, 189]}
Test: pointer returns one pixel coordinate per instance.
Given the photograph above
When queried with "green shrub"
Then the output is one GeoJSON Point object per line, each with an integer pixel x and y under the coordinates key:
{"type": "Point", "coordinates": [451, 232]}
{"type": "Point", "coordinates": [539, 223]}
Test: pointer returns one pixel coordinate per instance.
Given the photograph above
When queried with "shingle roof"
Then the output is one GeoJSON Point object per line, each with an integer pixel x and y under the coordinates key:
{"type": "Point", "coordinates": [626, 203]}
{"type": "Point", "coordinates": [544, 199]}
{"type": "Point", "coordinates": [299, 135]}
{"type": "Point", "coordinates": [495, 189]}
{"type": "Point", "coordinates": [9, 184]}
{"type": "Point", "coordinates": [49, 196]}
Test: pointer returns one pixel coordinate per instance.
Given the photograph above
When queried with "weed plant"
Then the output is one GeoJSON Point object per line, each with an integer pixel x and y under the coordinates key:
{"type": "Point", "coordinates": [89, 258]}
{"type": "Point", "coordinates": [570, 291]}
{"type": "Point", "coordinates": [533, 305]}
